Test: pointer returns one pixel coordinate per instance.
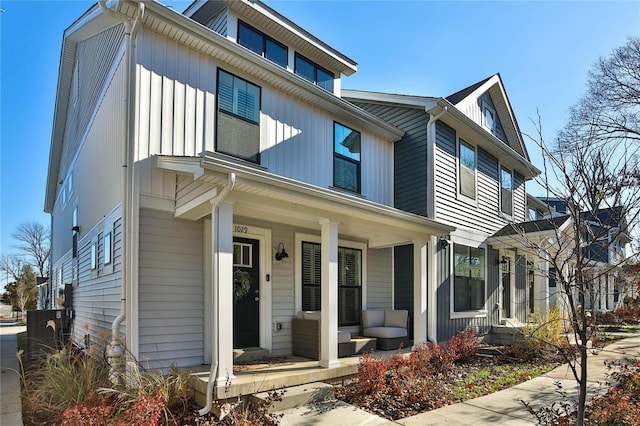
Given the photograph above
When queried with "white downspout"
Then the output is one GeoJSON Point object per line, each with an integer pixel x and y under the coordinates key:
{"type": "Point", "coordinates": [115, 350]}
{"type": "Point", "coordinates": [231, 181]}
{"type": "Point", "coordinates": [432, 251]}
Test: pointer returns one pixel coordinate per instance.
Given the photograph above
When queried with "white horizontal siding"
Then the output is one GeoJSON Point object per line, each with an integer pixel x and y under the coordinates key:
{"type": "Point", "coordinates": [170, 299]}
{"type": "Point", "coordinates": [96, 297]}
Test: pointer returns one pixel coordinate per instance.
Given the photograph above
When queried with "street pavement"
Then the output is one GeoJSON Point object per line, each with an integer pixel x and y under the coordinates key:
{"type": "Point", "coordinates": [10, 402]}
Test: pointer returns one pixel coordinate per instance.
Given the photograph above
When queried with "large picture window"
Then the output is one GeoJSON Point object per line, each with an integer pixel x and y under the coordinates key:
{"type": "Point", "coordinates": [469, 278]}
{"type": "Point", "coordinates": [467, 171]}
{"type": "Point", "coordinates": [506, 191]}
{"type": "Point", "coordinates": [238, 129]}
{"type": "Point", "coordinates": [346, 159]}
{"type": "Point", "coordinates": [349, 282]}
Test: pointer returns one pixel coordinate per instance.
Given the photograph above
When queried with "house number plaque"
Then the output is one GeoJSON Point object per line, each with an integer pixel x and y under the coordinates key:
{"type": "Point", "coordinates": [240, 229]}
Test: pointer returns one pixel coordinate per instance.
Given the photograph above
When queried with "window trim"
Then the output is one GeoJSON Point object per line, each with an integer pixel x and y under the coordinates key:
{"type": "Point", "coordinates": [502, 167]}
{"type": "Point", "coordinates": [358, 163]}
{"type": "Point", "coordinates": [477, 313]}
{"type": "Point", "coordinates": [459, 142]}
{"type": "Point", "coordinates": [264, 43]}
{"type": "Point", "coordinates": [316, 67]}
{"type": "Point", "coordinates": [487, 107]}
{"type": "Point", "coordinates": [311, 238]}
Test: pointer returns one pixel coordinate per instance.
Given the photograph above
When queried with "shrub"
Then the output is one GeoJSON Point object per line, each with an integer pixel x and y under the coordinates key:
{"type": "Point", "coordinates": [463, 346]}
{"type": "Point", "coordinates": [61, 380]}
{"type": "Point", "coordinates": [621, 404]}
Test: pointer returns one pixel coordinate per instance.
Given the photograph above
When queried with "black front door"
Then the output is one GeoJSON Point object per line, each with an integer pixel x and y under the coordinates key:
{"type": "Point", "coordinates": [246, 294]}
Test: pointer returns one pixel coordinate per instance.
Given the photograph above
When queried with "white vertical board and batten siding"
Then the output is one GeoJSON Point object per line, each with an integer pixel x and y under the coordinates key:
{"type": "Point", "coordinates": [170, 300]}
{"type": "Point", "coordinates": [219, 22]}
{"type": "Point", "coordinates": [98, 159]}
{"type": "Point", "coordinates": [91, 140]}
{"type": "Point", "coordinates": [177, 117]}
{"type": "Point", "coordinates": [95, 58]}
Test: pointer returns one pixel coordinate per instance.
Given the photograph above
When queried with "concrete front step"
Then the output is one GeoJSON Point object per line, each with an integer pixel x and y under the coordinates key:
{"type": "Point", "coordinates": [296, 396]}
{"type": "Point", "coordinates": [247, 355]}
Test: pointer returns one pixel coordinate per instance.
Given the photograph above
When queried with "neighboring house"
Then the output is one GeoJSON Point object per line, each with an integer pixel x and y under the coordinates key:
{"type": "Point", "coordinates": [603, 239]}
{"type": "Point", "coordinates": [188, 147]}
{"type": "Point", "coordinates": [461, 161]}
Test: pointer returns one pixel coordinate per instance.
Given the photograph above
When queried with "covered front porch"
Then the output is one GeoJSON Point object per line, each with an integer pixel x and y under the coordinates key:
{"type": "Point", "coordinates": [237, 200]}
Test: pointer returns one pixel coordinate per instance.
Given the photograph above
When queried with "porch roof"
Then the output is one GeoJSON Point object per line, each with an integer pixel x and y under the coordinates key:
{"type": "Point", "coordinates": [260, 194]}
{"type": "Point", "coordinates": [528, 236]}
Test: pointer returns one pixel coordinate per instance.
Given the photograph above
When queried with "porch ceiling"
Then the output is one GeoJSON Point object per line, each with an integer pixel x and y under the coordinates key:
{"type": "Point", "coordinates": [262, 195]}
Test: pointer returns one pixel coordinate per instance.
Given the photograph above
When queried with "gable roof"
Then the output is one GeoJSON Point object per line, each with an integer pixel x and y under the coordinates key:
{"type": "Point", "coordinates": [465, 99]}
{"type": "Point", "coordinates": [542, 225]}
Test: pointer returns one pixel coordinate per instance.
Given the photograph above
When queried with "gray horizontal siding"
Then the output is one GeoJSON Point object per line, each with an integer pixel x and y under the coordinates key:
{"type": "Point", "coordinates": [448, 327]}
{"type": "Point", "coordinates": [379, 279]}
{"type": "Point", "coordinates": [170, 300]}
{"type": "Point", "coordinates": [410, 155]}
{"type": "Point", "coordinates": [487, 164]}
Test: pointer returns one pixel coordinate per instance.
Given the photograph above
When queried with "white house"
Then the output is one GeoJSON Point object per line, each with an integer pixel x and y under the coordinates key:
{"type": "Point", "coordinates": [186, 147]}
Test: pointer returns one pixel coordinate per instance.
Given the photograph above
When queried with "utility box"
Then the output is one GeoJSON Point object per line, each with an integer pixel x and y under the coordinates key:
{"type": "Point", "coordinates": [42, 337]}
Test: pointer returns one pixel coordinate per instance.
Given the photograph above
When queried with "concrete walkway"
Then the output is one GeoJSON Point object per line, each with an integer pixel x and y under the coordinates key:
{"type": "Point", "coordinates": [10, 402]}
{"type": "Point", "coordinates": [502, 407]}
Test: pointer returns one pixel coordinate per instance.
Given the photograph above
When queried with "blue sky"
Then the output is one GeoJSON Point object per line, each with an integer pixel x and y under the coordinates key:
{"type": "Point", "coordinates": [543, 50]}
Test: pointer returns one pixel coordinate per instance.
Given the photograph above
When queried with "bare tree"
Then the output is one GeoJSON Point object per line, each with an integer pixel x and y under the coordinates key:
{"type": "Point", "coordinates": [34, 243]}
{"type": "Point", "coordinates": [11, 265]}
{"type": "Point", "coordinates": [593, 165]}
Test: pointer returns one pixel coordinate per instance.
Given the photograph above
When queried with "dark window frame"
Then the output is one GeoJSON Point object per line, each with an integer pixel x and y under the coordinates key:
{"type": "Point", "coordinates": [265, 38]}
{"type": "Point", "coordinates": [341, 157]}
{"type": "Point", "coordinates": [464, 144]}
{"type": "Point", "coordinates": [342, 286]}
{"type": "Point", "coordinates": [503, 190]}
{"type": "Point", "coordinates": [316, 67]}
{"type": "Point", "coordinates": [468, 280]}
{"type": "Point", "coordinates": [235, 115]}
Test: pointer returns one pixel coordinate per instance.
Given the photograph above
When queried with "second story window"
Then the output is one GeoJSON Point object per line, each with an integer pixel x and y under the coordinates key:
{"type": "Point", "coordinates": [262, 44]}
{"type": "Point", "coordinates": [467, 173]}
{"type": "Point", "coordinates": [314, 73]}
{"type": "Point", "coordinates": [506, 191]}
{"type": "Point", "coordinates": [346, 158]}
{"type": "Point", "coordinates": [238, 127]}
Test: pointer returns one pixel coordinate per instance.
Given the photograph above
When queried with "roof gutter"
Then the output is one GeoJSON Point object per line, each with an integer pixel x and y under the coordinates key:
{"type": "Point", "coordinates": [115, 350]}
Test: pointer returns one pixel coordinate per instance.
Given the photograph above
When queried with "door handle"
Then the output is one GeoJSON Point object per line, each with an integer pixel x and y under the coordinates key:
{"type": "Point", "coordinates": [256, 298]}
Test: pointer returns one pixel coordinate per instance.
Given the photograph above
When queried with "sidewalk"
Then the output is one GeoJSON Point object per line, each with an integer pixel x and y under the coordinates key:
{"type": "Point", "coordinates": [502, 407]}
{"type": "Point", "coordinates": [10, 402]}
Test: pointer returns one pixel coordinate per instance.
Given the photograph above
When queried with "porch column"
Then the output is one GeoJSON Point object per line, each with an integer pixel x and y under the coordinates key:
{"type": "Point", "coordinates": [223, 288]}
{"type": "Point", "coordinates": [329, 294]}
{"type": "Point", "coordinates": [541, 287]}
{"type": "Point", "coordinates": [419, 292]}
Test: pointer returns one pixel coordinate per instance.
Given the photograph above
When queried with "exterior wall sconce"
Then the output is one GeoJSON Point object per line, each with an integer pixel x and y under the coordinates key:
{"type": "Point", "coordinates": [443, 243]}
{"type": "Point", "coordinates": [281, 253]}
{"type": "Point", "coordinates": [76, 228]}
{"type": "Point", "coordinates": [503, 260]}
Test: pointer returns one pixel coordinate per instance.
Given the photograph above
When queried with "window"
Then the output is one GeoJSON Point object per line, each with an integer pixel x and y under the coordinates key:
{"type": "Point", "coordinates": [242, 255]}
{"type": "Point", "coordinates": [309, 70]}
{"type": "Point", "coordinates": [74, 223]}
{"type": "Point", "coordinates": [467, 173]}
{"type": "Point", "coordinates": [70, 183]}
{"type": "Point", "coordinates": [261, 44]}
{"type": "Point", "coordinates": [349, 282]}
{"type": "Point", "coordinates": [489, 118]}
{"type": "Point", "coordinates": [107, 249]}
{"type": "Point", "coordinates": [506, 191]}
{"type": "Point", "coordinates": [238, 130]}
{"type": "Point", "coordinates": [346, 158]}
{"type": "Point", "coordinates": [94, 250]}
{"type": "Point", "coordinates": [469, 281]}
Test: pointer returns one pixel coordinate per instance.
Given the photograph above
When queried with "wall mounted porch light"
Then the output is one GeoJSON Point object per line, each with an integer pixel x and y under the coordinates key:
{"type": "Point", "coordinates": [281, 253]}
